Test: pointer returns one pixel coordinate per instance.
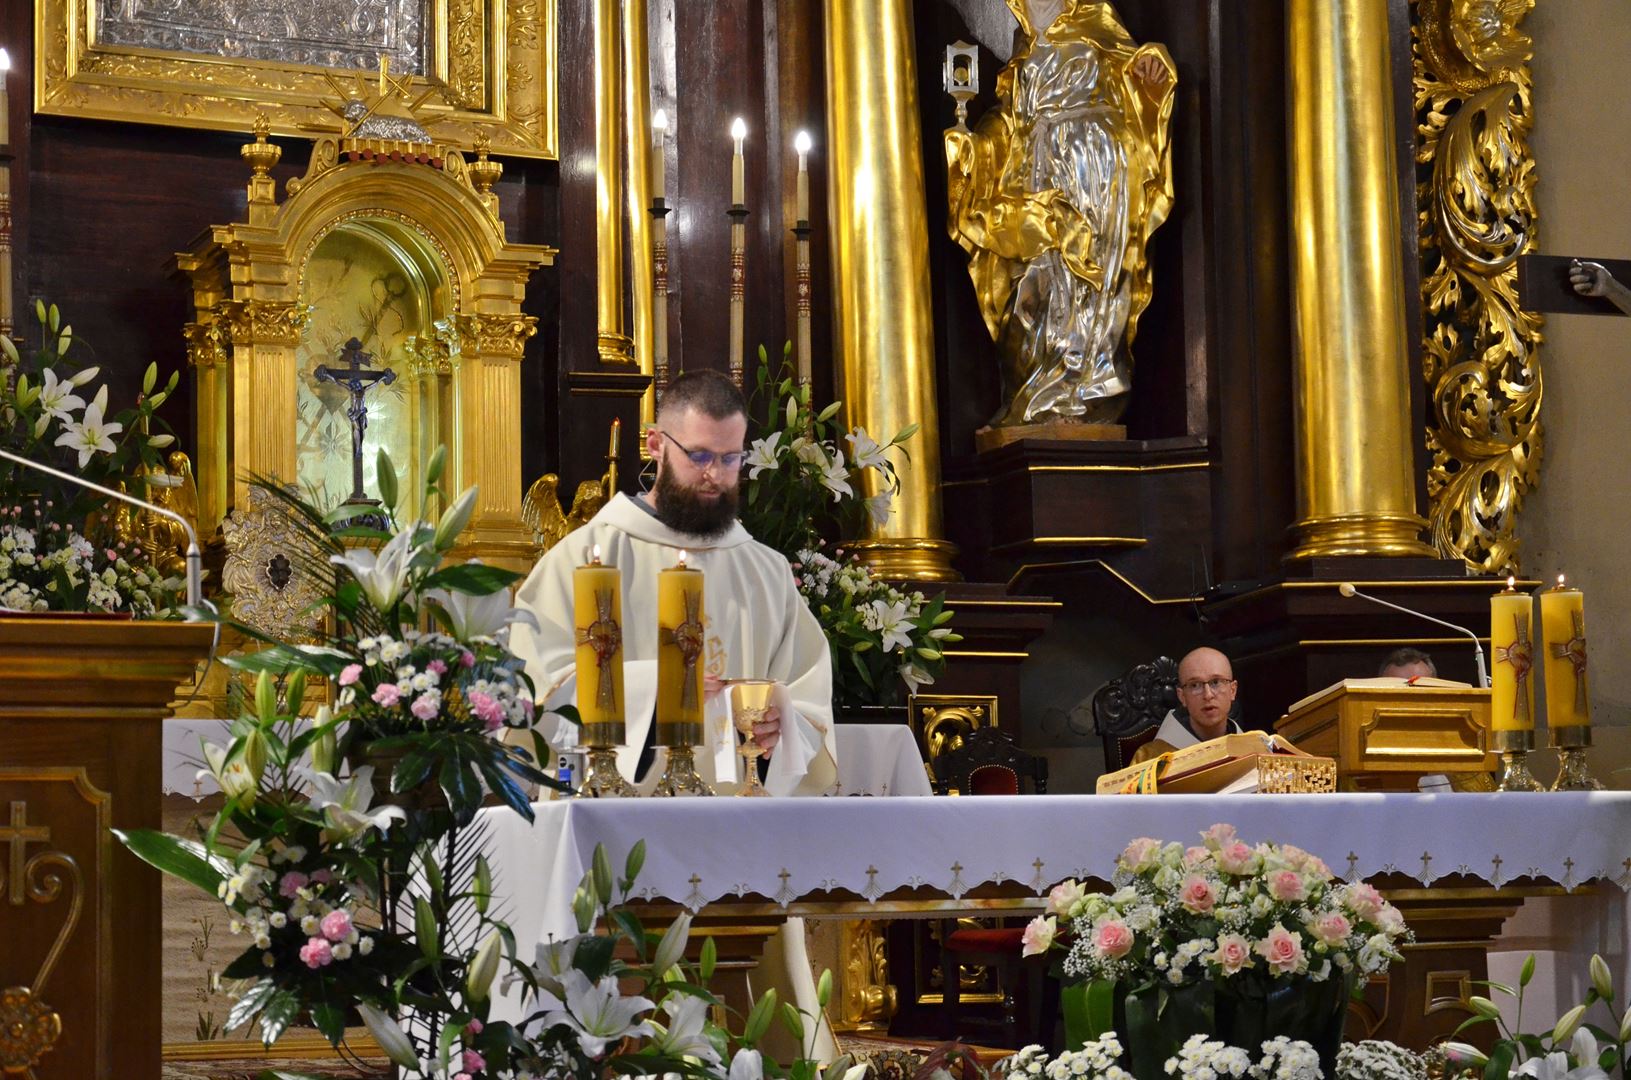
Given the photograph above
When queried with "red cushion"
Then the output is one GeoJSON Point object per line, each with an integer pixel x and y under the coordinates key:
{"type": "Point", "coordinates": [993, 780]}
{"type": "Point", "coordinates": [1003, 939]}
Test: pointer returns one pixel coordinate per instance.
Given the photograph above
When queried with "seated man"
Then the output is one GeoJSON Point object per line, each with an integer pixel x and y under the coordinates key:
{"type": "Point", "coordinates": [1206, 690]}
{"type": "Point", "coordinates": [1409, 664]}
{"type": "Point", "coordinates": [756, 623]}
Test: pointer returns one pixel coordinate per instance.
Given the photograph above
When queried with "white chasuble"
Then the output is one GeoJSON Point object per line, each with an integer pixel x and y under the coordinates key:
{"type": "Point", "coordinates": [757, 627]}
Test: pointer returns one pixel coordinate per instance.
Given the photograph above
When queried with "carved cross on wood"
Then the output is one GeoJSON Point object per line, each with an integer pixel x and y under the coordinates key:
{"type": "Point", "coordinates": [19, 834]}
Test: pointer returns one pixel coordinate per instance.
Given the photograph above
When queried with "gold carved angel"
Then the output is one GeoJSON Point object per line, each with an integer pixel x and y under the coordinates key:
{"type": "Point", "coordinates": [1054, 195]}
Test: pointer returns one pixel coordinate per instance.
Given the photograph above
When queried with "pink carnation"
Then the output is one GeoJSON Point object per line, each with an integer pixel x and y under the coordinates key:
{"type": "Point", "coordinates": [291, 883]}
{"type": "Point", "coordinates": [473, 1028]}
{"type": "Point", "coordinates": [427, 705]}
{"type": "Point", "coordinates": [474, 1062]}
{"type": "Point", "coordinates": [1112, 939]}
{"type": "Point", "coordinates": [467, 658]}
{"type": "Point", "coordinates": [1332, 928]}
{"type": "Point", "coordinates": [1281, 950]}
{"type": "Point", "coordinates": [1234, 952]}
{"type": "Point", "coordinates": [336, 925]}
{"type": "Point", "coordinates": [438, 666]}
{"type": "Point", "coordinates": [322, 877]}
{"type": "Point", "coordinates": [1197, 895]}
{"type": "Point", "coordinates": [387, 694]}
{"type": "Point", "coordinates": [317, 953]}
{"type": "Point", "coordinates": [487, 708]}
{"type": "Point", "coordinates": [1286, 885]}
{"type": "Point", "coordinates": [350, 674]}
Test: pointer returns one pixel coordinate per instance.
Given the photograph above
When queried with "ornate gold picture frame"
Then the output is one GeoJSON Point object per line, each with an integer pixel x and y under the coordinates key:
{"type": "Point", "coordinates": [492, 62]}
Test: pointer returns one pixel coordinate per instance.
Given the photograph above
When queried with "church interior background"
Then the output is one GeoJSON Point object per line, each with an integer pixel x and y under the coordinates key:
{"type": "Point", "coordinates": [1276, 439]}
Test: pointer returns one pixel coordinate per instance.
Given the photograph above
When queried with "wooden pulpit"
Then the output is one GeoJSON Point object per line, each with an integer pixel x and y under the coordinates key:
{"type": "Point", "coordinates": [82, 699]}
{"type": "Point", "coordinates": [1386, 737]}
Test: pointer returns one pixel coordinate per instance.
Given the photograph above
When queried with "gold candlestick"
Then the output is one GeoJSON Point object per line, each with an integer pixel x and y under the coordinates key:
{"type": "Point", "coordinates": [1514, 747]}
{"type": "Point", "coordinates": [739, 242]}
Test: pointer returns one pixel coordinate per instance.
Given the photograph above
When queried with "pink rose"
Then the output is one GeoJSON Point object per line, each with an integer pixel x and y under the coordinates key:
{"type": "Point", "coordinates": [1039, 934]}
{"type": "Point", "coordinates": [467, 659]}
{"type": "Point", "coordinates": [437, 666]}
{"type": "Point", "coordinates": [350, 674]}
{"type": "Point", "coordinates": [1197, 895]}
{"type": "Point", "coordinates": [1364, 900]}
{"type": "Point", "coordinates": [291, 883]}
{"type": "Point", "coordinates": [336, 925]}
{"type": "Point", "coordinates": [1140, 853]}
{"type": "Point", "coordinates": [1220, 836]}
{"type": "Point", "coordinates": [1112, 939]}
{"type": "Point", "coordinates": [1389, 919]}
{"type": "Point", "coordinates": [322, 877]}
{"type": "Point", "coordinates": [317, 953]}
{"type": "Point", "coordinates": [1332, 928]}
{"type": "Point", "coordinates": [1195, 855]}
{"type": "Point", "coordinates": [1065, 896]}
{"type": "Point", "coordinates": [387, 694]}
{"type": "Point", "coordinates": [474, 1062]}
{"type": "Point", "coordinates": [1235, 858]}
{"type": "Point", "coordinates": [427, 705]}
{"type": "Point", "coordinates": [1286, 885]}
{"type": "Point", "coordinates": [1234, 952]}
{"type": "Point", "coordinates": [1281, 950]}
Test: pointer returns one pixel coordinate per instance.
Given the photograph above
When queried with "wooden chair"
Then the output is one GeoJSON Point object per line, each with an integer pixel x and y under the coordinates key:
{"type": "Point", "coordinates": [989, 762]}
{"type": "Point", "coordinates": [1128, 711]}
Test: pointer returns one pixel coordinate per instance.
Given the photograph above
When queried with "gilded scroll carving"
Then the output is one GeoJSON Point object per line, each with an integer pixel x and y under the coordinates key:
{"type": "Point", "coordinates": [1477, 215]}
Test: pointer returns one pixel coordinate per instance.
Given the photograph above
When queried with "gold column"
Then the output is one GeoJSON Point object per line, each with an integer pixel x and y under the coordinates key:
{"type": "Point", "coordinates": [880, 270]}
{"type": "Point", "coordinates": [613, 343]}
{"type": "Point", "coordinates": [638, 148]}
{"type": "Point", "coordinates": [1356, 492]}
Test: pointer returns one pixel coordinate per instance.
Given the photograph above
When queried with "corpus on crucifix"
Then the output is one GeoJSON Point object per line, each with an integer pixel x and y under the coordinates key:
{"type": "Point", "coordinates": [357, 377]}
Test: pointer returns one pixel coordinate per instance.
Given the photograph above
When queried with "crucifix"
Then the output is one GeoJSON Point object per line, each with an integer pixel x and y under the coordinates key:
{"type": "Point", "coordinates": [19, 834]}
{"type": "Point", "coordinates": [357, 377]}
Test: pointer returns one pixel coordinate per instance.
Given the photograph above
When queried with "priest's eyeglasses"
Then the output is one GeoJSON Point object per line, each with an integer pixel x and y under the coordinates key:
{"type": "Point", "coordinates": [1211, 687]}
{"type": "Point", "coordinates": [703, 459]}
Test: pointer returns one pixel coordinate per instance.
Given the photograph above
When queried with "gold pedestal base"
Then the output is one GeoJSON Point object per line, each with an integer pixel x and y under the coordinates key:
{"type": "Point", "coordinates": [1572, 775]}
{"type": "Point", "coordinates": [1513, 773]}
{"type": "Point", "coordinates": [1360, 534]}
{"type": "Point", "coordinates": [614, 348]}
{"type": "Point", "coordinates": [680, 777]}
{"type": "Point", "coordinates": [603, 781]}
{"type": "Point", "coordinates": [908, 560]}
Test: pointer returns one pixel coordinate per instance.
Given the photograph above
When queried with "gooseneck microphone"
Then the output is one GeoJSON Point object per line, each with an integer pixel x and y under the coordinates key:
{"type": "Point", "coordinates": [194, 557]}
{"type": "Point", "coordinates": [1347, 589]}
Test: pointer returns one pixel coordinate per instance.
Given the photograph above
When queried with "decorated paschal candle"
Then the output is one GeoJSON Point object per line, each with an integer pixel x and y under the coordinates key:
{"type": "Point", "coordinates": [597, 603]}
{"type": "Point", "coordinates": [679, 655]}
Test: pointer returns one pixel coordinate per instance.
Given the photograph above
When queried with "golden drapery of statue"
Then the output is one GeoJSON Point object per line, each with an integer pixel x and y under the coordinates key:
{"type": "Point", "coordinates": [1054, 195]}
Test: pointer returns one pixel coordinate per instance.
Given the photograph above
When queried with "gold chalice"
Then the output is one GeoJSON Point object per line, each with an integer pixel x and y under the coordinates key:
{"type": "Point", "coordinates": [749, 700]}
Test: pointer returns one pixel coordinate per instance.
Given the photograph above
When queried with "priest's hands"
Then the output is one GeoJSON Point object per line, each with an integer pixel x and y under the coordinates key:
{"type": "Point", "coordinates": [768, 732]}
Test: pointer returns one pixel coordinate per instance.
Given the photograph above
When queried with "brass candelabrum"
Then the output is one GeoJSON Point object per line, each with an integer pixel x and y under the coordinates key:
{"type": "Point", "coordinates": [1514, 748]}
{"type": "Point", "coordinates": [1571, 742]}
{"type": "Point", "coordinates": [602, 780]}
{"type": "Point", "coordinates": [680, 774]}
{"type": "Point", "coordinates": [750, 698]}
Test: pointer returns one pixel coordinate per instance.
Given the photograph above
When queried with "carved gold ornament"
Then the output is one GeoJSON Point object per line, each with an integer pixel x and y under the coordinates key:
{"type": "Point", "coordinates": [1477, 215]}
{"type": "Point", "coordinates": [269, 569]}
{"type": "Point", "coordinates": [490, 67]}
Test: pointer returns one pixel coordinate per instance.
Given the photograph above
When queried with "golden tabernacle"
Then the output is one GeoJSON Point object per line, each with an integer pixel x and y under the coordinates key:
{"type": "Point", "coordinates": [1388, 736]}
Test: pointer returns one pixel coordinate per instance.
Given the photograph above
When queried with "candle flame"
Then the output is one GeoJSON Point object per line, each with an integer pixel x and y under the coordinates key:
{"type": "Point", "coordinates": [5, 60]}
{"type": "Point", "coordinates": [594, 555]}
{"type": "Point", "coordinates": [739, 129]}
{"type": "Point", "coordinates": [659, 121]}
{"type": "Point", "coordinates": [802, 142]}
{"type": "Point", "coordinates": [1560, 581]}
{"type": "Point", "coordinates": [1511, 583]}
{"type": "Point", "coordinates": [683, 556]}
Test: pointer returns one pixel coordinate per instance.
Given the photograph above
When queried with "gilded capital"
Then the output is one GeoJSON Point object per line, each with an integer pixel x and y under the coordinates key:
{"type": "Point", "coordinates": [264, 322]}
{"type": "Point", "coordinates": [205, 347]}
{"type": "Point", "coordinates": [496, 335]}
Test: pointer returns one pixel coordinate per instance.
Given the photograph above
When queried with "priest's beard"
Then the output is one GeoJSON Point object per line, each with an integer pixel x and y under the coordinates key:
{"type": "Point", "coordinates": [683, 509]}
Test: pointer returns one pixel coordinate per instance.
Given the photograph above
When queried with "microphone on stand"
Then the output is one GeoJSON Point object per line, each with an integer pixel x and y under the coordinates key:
{"type": "Point", "coordinates": [195, 560]}
{"type": "Point", "coordinates": [1347, 589]}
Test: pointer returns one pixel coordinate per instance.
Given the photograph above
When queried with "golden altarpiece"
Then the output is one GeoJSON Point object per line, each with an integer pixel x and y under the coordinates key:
{"type": "Point", "coordinates": [392, 239]}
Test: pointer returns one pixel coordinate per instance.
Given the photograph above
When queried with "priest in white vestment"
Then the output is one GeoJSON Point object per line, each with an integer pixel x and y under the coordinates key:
{"type": "Point", "coordinates": [1206, 691]}
{"type": "Point", "coordinates": [757, 624]}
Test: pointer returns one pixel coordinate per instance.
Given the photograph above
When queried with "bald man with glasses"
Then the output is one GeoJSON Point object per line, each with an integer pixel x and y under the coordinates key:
{"type": "Point", "coordinates": [756, 625]}
{"type": "Point", "coordinates": [1206, 694]}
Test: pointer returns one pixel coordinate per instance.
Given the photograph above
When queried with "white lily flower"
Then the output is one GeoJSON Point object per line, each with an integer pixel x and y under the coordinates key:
{"type": "Point", "coordinates": [551, 961]}
{"type": "Point", "coordinates": [762, 455]}
{"type": "Point", "coordinates": [835, 477]}
{"type": "Point", "coordinates": [864, 450]}
{"type": "Point", "coordinates": [344, 803]}
{"type": "Point", "coordinates": [915, 677]}
{"type": "Point", "coordinates": [879, 507]}
{"type": "Point", "coordinates": [232, 776]}
{"type": "Point", "coordinates": [479, 616]}
{"type": "Point", "coordinates": [684, 1037]}
{"type": "Point", "coordinates": [599, 1013]}
{"type": "Point", "coordinates": [747, 1065]}
{"type": "Point", "coordinates": [382, 574]}
{"type": "Point", "coordinates": [57, 397]}
{"type": "Point", "coordinates": [91, 435]}
{"type": "Point", "coordinates": [809, 451]}
{"type": "Point", "coordinates": [891, 620]}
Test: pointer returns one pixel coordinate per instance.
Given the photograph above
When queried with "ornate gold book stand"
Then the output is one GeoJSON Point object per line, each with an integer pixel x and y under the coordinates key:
{"type": "Point", "coordinates": [1387, 738]}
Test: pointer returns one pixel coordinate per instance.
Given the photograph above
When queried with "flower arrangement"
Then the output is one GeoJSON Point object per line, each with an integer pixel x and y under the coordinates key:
{"type": "Point", "coordinates": [1571, 1050]}
{"type": "Point", "coordinates": [1200, 1058]}
{"type": "Point", "coordinates": [1378, 1059]}
{"type": "Point", "coordinates": [803, 494]}
{"type": "Point", "coordinates": [58, 549]}
{"type": "Point", "coordinates": [1222, 910]}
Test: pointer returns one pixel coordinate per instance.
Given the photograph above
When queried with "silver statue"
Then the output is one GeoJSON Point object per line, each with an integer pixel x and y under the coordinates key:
{"type": "Point", "coordinates": [1593, 279]}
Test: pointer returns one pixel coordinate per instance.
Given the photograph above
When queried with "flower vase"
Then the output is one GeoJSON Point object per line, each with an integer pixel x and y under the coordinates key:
{"type": "Point", "coordinates": [1297, 1008]}
{"type": "Point", "coordinates": [1155, 1020]}
{"type": "Point", "coordinates": [427, 796]}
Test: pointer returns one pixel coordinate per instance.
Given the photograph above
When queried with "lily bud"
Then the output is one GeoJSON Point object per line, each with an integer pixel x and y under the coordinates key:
{"type": "Point", "coordinates": [324, 748]}
{"type": "Point", "coordinates": [265, 698]}
{"type": "Point", "coordinates": [9, 347]}
{"type": "Point", "coordinates": [672, 946]}
{"type": "Point", "coordinates": [1460, 1053]}
{"type": "Point", "coordinates": [1566, 1025]}
{"type": "Point", "coordinates": [150, 377]}
{"type": "Point", "coordinates": [455, 519]}
{"type": "Point", "coordinates": [390, 1037]}
{"type": "Point", "coordinates": [1601, 980]}
{"type": "Point", "coordinates": [1625, 1026]}
{"type": "Point", "coordinates": [1483, 1006]}
{"type": "Point", "coordinates": [253, 754]}
{"type": "Point", "coordinates": [80, 378]}
{"type": "Point", "coordinates": [483, 968]}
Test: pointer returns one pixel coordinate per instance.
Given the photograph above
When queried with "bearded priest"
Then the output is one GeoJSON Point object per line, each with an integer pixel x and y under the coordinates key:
{"type": "Point", "coordinates": [756, 623]}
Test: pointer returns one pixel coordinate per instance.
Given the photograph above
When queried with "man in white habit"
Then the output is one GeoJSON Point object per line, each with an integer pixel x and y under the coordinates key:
{"type": "Point", "coordinates": [756, 623]}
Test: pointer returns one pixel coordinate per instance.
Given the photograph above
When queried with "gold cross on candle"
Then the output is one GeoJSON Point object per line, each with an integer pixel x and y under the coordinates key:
{"type": "Point", "coordinates": [604, 636]}
{"type": "Point", "coordinates": [1521, 655]}
{"type": "Point", "coordinates": [1574, 651]}
{"type": "Point", "coordinates": [687, 637]}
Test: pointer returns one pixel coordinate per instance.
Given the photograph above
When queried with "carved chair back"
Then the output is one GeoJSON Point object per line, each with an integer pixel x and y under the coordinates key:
{"type": "Point", "coordinates": [989, 762]}
{"type": "Point", "coordinates": [1127, 711]}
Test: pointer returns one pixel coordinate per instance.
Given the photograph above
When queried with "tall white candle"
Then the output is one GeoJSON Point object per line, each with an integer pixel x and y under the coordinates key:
{"type": "Point", "coordinates": [659, 135]}
{"type": "Point", "coordinates": [801, 143]}
{"type": "Point", "coordinates": [739, 131]}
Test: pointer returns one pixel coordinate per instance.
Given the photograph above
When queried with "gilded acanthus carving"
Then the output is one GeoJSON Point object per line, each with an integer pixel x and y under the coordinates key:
{"type": "Point", "coordinates": [206, 347]}
{"type": "Point", "coordinates": [264, 322]}
{"type": "Point", "coordinates": [1477, 215]}
{"type": "Point", "coordinates": [495, 335]}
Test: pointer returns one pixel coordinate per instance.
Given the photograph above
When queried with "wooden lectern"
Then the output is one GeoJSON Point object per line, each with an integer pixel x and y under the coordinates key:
{"type": "Point", "coordinates": [82, 699]}
{"type": "Point", "coordinates": [1386, 737]}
